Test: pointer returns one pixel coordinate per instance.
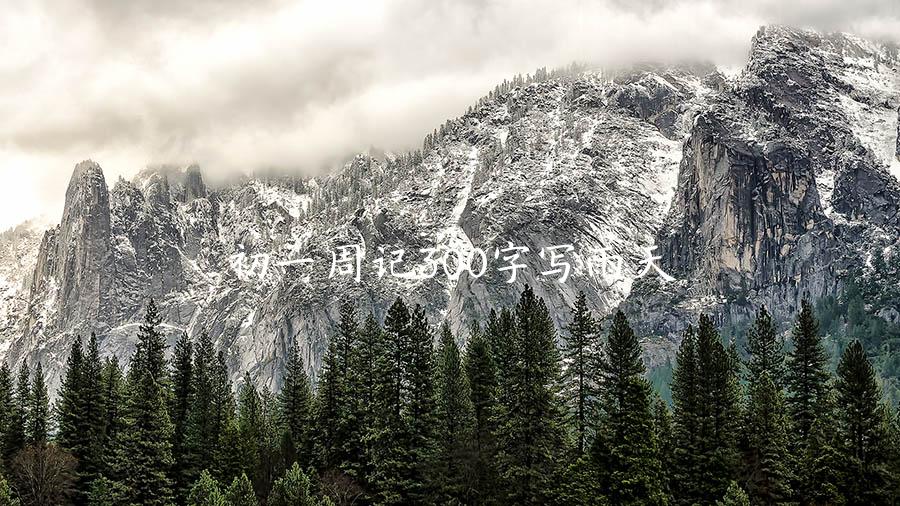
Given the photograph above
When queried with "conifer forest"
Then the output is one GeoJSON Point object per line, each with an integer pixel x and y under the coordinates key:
{"type": "Point", "coordinates": [402, 414]}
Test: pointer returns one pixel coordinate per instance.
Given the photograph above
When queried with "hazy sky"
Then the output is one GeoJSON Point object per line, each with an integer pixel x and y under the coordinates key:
{"type": "Point", "coordinates": [237, 85]}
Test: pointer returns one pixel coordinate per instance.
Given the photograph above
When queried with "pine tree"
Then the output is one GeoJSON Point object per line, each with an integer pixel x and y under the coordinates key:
{"type": "Point", "coordinates": [686, 398]}
{"type": "Point", "coordinates": [112, 394]}
{"type": "Point", "coordinates": [240, 493]}
{"type": "Point", "coordinates": [293, 489]}
{"type": "Point", "coordinates": [7, 406]}
{"type": "Point", "coordinates": [250, 425]}
{"type": "Point", "coordinates": [224, 426]}
{"type": "Point", "coordinates": [201, 438]}
{"type": "Point", "coordinates": [205, 492]}
{"type": "Point", "coordinates": [361, 375]}
{"type": "Point", "coordinates": [7, 498]}
{"type": "Point", "coordinates": [15, 438]}
{"type": "Point", "coordinates": [766, 460]}
{"type": "Point", "coordinates": [861, 429]}
{"type": "Point", "coordinates": [807, 386]}
{"type": "Point", "coordinates": [144, 443]}
{"type": "Point", "coordinates": [388, 434]}
{"type": "Point", "coordinates": [179, 407]}
{"type": "Point", "coordinates": [706, 394]}
{"type": "Point", "coordinates": [734, 496]}
{"type": "Point", "coordinates": [296, 404]}
{"type": "Point", "coordinates": [38, 408]}
{"type": "Point", "coordinates": [419, 409]}
{"type": "Point", "coordinates": [531, 430]}
{"type": "Point", "coordinates": [581, 356]}
{"type": "Point", "coordinates": [765, 349]}
{"type": "Point", "coordinates": [70, 417]}
{"type": "Point", "coordinates": [633, 465]}
{"type": "Point", "coordinates": [80, 414]}
{"type": "Point", "coordinates": [105, 492]}
{"type": "Point", "coordinates": [822, 460]}
{"type": "Point", "coordinates": [482, 378]}
{"type": "Point", "coordinates": [455, 423]}
{"type": "Point", "coordinates": [665, 442]}
{"type": "Point", "coordinates": [333, 417]}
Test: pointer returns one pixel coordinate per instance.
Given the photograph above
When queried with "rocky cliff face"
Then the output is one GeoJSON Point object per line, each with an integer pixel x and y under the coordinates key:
{"type": "Point", "coordinates": [785, 182]}
{"type": "Point", "coordinates": [759, 188]}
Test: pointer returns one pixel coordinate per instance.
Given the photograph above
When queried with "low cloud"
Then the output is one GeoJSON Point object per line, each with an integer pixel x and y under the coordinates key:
{"type": "Point", "coordinates": [246, 85]}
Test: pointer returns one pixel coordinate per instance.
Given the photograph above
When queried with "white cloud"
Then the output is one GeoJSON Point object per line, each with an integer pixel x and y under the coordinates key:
{"type": "Point", "coordinates": [245, 85]}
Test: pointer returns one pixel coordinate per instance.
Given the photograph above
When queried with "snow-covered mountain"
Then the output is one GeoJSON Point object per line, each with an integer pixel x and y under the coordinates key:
{"type": "Point", "coordinates": [758, 186]}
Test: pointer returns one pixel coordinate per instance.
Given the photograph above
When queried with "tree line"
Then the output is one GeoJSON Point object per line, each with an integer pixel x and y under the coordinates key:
{"type": "Point", "coordinates": [511, 419]}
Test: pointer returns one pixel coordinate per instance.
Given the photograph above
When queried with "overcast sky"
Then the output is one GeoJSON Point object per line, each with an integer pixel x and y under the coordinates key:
{"type": "Point", "coordinates": [237, 85]}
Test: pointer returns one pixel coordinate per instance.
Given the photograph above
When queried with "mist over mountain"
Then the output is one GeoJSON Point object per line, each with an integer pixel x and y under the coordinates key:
{"type": "Point", "coordinates": [768, 185]}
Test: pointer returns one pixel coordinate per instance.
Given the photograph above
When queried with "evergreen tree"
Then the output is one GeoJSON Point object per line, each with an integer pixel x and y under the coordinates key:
{"type": "Point", "coordinates": [333, 409]}
{"type": "Point", "coordinates": [144, 442]}
{"type": "Point", "coordinates": [388, 435]}
{"type": "Point", "coordinates": [80, 414]}
{"type": "Point", "coordinates": [179, 407]}
{"type": "Point", "coordinates": [734, 496]}
{"type": "Point", "coordinates": [686, 479]}
{"type": "Point", "coordinates": [70, 409]}
{"type": "Point", "coordinates": [112, 394]}
{"type": "Point", "coordinates": [296, 404]}
{"type": "Point", "coordinates": [201, 435]}
{"type": "Point", "coordinates": [481, 373]}
{"type": "Point", "coordinates": [224, 425]}
{"type": "Point", "coordinates": [419, 401]}
{"type": "Point", "coordinates": [706, 394]}
{"type": "Point", "coordinates": [205, 492]}
{"type": "Point", "coordinates": [765, 349]}
{"type": "Point", "coordinates": [240, 493]}
{"type": "Point", "coordinates": [822, 460]}
{"type": "Point", "coordinates": [38, 408]}
{"type": "Point", "coordinates": [767, 457]}
{"type": "Point", "coordinates": [455, 423]}
{"type": "Point", "coordinates": [293, 489]}
{"type": "Point", "coordinates": [807, 387]}
{"type": "Point", "coordinates": [7, 498]}
{"type": "Point", "coordinates": [581, 356]}
{"type": "Point", "coordinates": [16, 437]}
{"type": "Point", "coordinates": [105, 492]}
{"type": "Point", "coordinates": [361, 374]}
{"type": "Point", "coordinates": [250, 424]}
{"type": "Point", "coordinates": [633, 465]}
{"type": "Point", "coordinates": [665, 441]}
{"type": "Point", "coordinates": [861, 429]}
{"type": "Point", "coordinates": [7, 407]}
{"type": "Point", "coordinates": [531, 430]}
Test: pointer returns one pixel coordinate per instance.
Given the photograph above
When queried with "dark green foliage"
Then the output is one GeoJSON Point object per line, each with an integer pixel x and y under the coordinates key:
{"type": "Point", "coordinates": [7, 498]}
{"type": "Point", "coordinates": [765, 350]}
{"type": "Point", "coordinates": [706, 396]}
{"type": "Point", "coordinates": [105, 492]}
{"type": "Point", "coordinates": [293, 489]}
{"type": "Point", "coordinates": [80, 414]}
{"type": "Point", "coordinates": [629, 438]}
{"type": "Point", "coordinates": [334, 417]}
{"type": "Point", "coordinates": [734, 496]}
{"type": "Point", "coordinates": [582, 358]}
{"type": "Point", "coordinates": [531, 416]}
{"type": "Point", "coordinates": [481, 374]}
{"type": "Point", "coordinates": [454, 453]}
{"type": "Point", "coordinates": [38, 408]}
{"type": "Point", "coordinates": [767, 457]}
{"type": "Point", "coordinates": [665, 444]}
{"type": "Point", "coordinates": [862, 430]}
{"type": "Point", "coordinates": [419, 401]}
{"type": "Point", "coordinates": [296, 408]}
{"type": "Point", "coordinates": [144, 441]}
{"type": "Point", "coordinates": [15, 437]}
{"type": "Point", "coordinates": [205, 492]}
{"type": "Point", "coordinates": [179, 407]}
{"type": "Point", "coordinates": [389, 431]}
{"type": "Point", "coordinates": [240, 492]}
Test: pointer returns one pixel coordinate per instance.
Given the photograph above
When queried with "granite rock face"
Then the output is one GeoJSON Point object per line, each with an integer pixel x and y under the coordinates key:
{"type": "Point", "coordinates": [763, 187]}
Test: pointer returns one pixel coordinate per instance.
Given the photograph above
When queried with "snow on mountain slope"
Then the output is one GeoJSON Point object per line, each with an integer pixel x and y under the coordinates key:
{"type": "Point", "coordinates": [759, 185]}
